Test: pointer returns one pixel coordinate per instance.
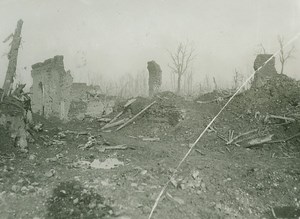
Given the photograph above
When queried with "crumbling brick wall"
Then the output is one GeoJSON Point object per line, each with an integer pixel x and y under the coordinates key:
{"type": "Point", "coordinates": [51, 88]}
{"type": "Point", "coordinates": [266, 72]}
{"type": "Point", "coordinates": [155, 78]}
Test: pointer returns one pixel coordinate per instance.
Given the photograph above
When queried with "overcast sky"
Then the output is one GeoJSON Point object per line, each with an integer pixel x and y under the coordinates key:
{"type": "Point", "coordinates": [110, 38]}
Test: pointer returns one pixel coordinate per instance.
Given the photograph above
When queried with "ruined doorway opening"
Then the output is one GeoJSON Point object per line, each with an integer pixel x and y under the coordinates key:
{"type": "Point", "coordinates": [41, 92]}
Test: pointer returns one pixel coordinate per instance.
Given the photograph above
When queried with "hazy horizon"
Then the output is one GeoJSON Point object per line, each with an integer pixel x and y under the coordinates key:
{"type": "Point", "coordinates": [108, 39]}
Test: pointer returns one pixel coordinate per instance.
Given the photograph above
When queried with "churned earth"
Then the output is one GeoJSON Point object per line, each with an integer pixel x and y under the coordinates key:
{"type": "Point", "coordinates": [72, 171]}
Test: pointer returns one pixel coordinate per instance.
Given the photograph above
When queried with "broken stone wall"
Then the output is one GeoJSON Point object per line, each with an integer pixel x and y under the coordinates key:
{"type": "Point", "coordinates": [266, 72]}
{"type": "Point", "coordinates": [51, 88]}
{"type": "Point", "coordinates": [79, 91]}
{"type": "Point", "coordinates": [155, 78]}
{"type": "Point", "coordinates": [87, 101]}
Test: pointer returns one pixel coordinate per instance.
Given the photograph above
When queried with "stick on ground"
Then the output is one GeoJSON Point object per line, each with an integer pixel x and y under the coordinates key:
{"type": "Point", "coordinates": [133, 118]}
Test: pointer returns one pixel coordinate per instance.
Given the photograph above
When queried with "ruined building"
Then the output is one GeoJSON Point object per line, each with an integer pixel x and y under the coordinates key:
{"type": "Point", "coordinates": [266, 72]}
{"type": "Point", "coordinates": [51, 88]}
{"type": "Point", "coordinates": [155, 77]}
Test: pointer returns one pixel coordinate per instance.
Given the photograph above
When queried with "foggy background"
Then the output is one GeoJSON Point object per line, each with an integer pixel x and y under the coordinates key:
{"type": "Point", "coordinates": [105, 40]}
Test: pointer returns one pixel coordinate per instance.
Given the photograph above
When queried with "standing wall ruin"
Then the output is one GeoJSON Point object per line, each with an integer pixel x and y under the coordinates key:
{"type": "Point", "coordinates": [51, 88]}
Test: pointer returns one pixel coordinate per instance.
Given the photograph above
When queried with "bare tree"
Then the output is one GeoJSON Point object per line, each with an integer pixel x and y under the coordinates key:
{"type": "Point", "coordinates": [261, 49]}
{"type": "Point", "coordinates": [12, 57]}
{"type": "Point", "coordinates": [283, 57]}
{"type": "Point", "coordinates": [181, 61]}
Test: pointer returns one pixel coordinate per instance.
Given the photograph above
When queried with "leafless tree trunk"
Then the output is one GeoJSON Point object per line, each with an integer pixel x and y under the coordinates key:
{"type": "Point", "coordinates": [181, 61]}
{"type": "Point", "coordinates": [207, 84]}
{"type": "Point", "coordinates": [282, 56]}
{"type": "Point", "coordinates": [262, 48]}
{"type": "Point", "coordinates": [12, 57]}
{"type": "Point", "coordinates": [215, 83]}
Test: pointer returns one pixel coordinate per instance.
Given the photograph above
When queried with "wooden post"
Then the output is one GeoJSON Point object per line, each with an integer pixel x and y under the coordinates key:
{"type": "Point", "coordinates": [133, 118]}
{"type": "Point", "coordinates": [12, 58]}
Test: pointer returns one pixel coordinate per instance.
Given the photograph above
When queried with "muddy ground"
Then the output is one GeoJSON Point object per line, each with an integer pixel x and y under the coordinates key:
{"type": "Point", "coordinates": [216, 180]}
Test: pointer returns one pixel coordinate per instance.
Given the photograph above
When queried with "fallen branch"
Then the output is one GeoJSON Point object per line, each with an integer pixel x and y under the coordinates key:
{"type": "Point", "coordinates": [117, 147]}
{"type": "Point", "coordinates": [239, 136]}
{"type": "Point", "coordinates": [259, 141]}
{"type": "Point", "coordinates": [133, 118]}
{"type": "Point", "coordinates": [285, 140]}
{"type": "Point", "coordinates": [297, 115]}
{"type": "Point", "coordinates": [111, 121]}
{"type": "Point", "coordinates": [110, 125]}
{"type": "Point", "coordinates": [129, 102]}
{"type": "Point", "coordinates": [151, 139]}
{"type": "Point", "coordinates": [104, 119]}
{"type": "Point", "coordinates": [235, 140]}
{"type": "Point", "coordinates": [280, 117]}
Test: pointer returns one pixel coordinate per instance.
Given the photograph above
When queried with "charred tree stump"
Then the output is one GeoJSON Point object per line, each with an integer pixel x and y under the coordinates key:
{"type": "Point", "coordinates": [12, 57]}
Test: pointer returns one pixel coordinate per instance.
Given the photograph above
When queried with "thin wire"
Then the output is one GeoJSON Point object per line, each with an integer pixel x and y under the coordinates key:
{"type": "Point", "coordinates": [212, 121]}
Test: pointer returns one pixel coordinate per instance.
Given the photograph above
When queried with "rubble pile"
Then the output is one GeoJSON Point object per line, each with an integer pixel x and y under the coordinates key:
{"type": "Point", "coordinates": [279, 94]}
{"type": "Point", "coordinates": [13, 121]}
{"type": "Point", "coordinates": [77, 109]}
{"type": "Point", "coordinates": [214, 96]}
{"type": "Point", "coordinates": [72, 200]}
{"type": "Point", "coordinates": [165, 109]}
{"type": "Point", "coordinates": [90, 104]}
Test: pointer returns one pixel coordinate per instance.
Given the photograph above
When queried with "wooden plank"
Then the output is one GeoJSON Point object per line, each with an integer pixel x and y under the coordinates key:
{"type": "Point", "coordinates": [133, 118]}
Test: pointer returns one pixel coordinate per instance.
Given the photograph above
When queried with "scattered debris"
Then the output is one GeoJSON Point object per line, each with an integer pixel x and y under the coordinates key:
{"type": "Point", "coordinates": [235, 140]}
{"type": "Point", "coordinates": [50, 173]}
{"type": "Point", "coordinates": [260, 140]}
{"type": "Point", "coordinates": [110, 125]}
{"type": "Point", "coordinates": [38, 127]}
{"type": "Point", "coordinates": [151, 139]}
{"type": "Point", "coordinates": [117, 147]}
{"type": "Point", "coordinates": [92, 141]}
{"type": "Point", "coordinates": [70, 199]}
{"type": "Point", "coordinates": [109, 163]}
{"type": "Point", "coordinates": [106, 120]}
{"type": "Point", "coordinates": [176, 199]}
{"type": "Point", "coordinates": [286, 119]}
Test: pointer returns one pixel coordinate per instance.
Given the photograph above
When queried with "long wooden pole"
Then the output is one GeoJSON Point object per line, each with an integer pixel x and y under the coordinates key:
{"type": "Point", "coordinates": [12, 58]}
{"type": "Point", "coordinates": [133, 118]}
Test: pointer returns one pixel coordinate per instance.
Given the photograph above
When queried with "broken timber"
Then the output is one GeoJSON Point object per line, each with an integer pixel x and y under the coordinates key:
{"type": "Point", "coordinates": [287, 119]}
{"type": "Point", "coordinates": [108, 125]}
{"type": "Point", "coordinates": [12, 57]}
{"type": "Point", "coordinates": [133, 118]}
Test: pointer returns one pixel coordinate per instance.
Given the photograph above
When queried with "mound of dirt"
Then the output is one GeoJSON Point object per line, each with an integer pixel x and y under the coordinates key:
{"type": "Point", "coordinates": [209, 96]}
{"type": "Point", "coordinates": [280, 94]}
{"type": "Point", "coordinates": [72, 200]}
